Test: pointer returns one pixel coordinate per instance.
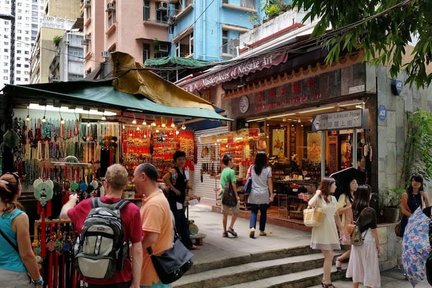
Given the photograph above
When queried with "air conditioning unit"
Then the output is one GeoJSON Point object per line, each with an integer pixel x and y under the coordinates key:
{"type": "Point", "coordinates": [105, 54]}
{"type": "Point", "coordinates": [87, 3]}
{"type": "Point", "coordinates": [163, 6]}
{"type": "Point", "coordinates": [110, 7]}
{"type": "Point", "coordinates": [84, 42]}
{"type": "Point", "coordinates": [163, 48]}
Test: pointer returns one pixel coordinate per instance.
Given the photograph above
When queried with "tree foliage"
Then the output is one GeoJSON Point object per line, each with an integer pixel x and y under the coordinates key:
{"type": "Point", "coordinates": [383, 28]}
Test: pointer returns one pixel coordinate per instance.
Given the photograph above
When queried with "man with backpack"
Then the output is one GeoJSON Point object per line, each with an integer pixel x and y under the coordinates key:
{"type": "Point", "coordinates": [157, 225]}
{"type": "Point", "coordinates": [110, 232]}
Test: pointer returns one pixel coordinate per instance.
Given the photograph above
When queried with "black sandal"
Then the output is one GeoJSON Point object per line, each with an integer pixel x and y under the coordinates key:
{"type": "Point", "coordinates": [338, 267]}
{"type": "Point", "coordinates": [225, 234]}
{"type": "Point", "coordinates": [232, 232]}
{"type": "Point", "coordinates": [329, 285]}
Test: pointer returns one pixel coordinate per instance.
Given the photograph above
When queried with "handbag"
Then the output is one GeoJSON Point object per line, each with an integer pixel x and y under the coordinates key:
{"type": "Point", "coordinates": [312, 217]}
{"type": "Point", "coordinates": [173, 263]}
{"type": "Point", "coordinates": [356, 236]}
{"type": "Point", "coordinates": [229, 197]}
{"type": "Point", "coordinates": [247, 188]}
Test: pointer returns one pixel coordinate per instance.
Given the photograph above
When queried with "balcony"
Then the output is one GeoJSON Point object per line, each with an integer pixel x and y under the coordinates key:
{"type": "Point", "coordinates": [180, 13]}
{"type": "Point", "coordinates": [245, 5]}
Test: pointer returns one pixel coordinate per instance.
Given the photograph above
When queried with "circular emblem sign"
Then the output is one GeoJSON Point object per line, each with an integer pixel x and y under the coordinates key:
{"type": "Point", "coordinates": [244, 104]}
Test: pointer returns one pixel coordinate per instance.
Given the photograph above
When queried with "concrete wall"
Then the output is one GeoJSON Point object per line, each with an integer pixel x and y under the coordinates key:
{"type": "Point", "coordinates": [392, 131]}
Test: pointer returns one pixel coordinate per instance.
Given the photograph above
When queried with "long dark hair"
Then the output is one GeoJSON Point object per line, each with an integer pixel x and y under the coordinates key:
{"type": "Point", "coordinates": [324, 186]}
{"type": "Point", "coordinates": [260, 163]}
{"type": "Point", "coordinates": [416, 178]}
{"type": "Point", "coordinates": [362, 199]}
{"type": "Point", "coordinates": [347, 191]}
{"type": "Point", "coordinates": [11, 182]}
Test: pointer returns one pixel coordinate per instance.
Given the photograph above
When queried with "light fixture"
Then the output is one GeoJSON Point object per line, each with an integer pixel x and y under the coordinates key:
{"type": "Point", "coordinates": [103, 118]}
{"type": "Point", "coordinates": [177, 132]}
{"type": "Point", "coordinates": [134, 122]}
{"type": "Point", "coordinates": [61, 118]}
{"type": "Point", "coordinates": [43, 118]}
{"type": "Point", "coordinates": [144, 123]}
{"type": "Point", "coordinates": [163, 125]}
{"type": "Point", "coordinates": [183, 127]}
{"type": "Point", "coordinates": [298, 120]}
{"type": "Point", "coordinates": [157, 130]}
{"type": "Point", "coordinates": [153, 124]}
{"type": "Point", "coordinates": [172, 123]}
{"type": "Point", "coordinates": [63, 109]}
{"type": "Point", "coordinates": [316, 109]}
{"type": "Point", "coordinates": [124, 126]}
{"type": "Point", "coordinates": [28, 114]}
{"type": "Point", "coordinates": [88, 124]}
{"type": "Point", "coordinates": [138, 128]}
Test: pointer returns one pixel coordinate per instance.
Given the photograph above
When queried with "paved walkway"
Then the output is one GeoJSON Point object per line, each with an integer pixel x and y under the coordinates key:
{"type": "Point", "coordinates": [217, 248]}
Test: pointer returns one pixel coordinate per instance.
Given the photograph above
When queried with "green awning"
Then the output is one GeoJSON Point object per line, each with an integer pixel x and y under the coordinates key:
{"type": "Point", "coordinates": [101, 95]}
{"type": "Point", "coordinates": [175, 61]}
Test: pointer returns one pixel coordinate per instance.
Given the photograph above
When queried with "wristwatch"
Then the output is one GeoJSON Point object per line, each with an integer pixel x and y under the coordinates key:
{"type": "Point", "coordinates": [38, 282]}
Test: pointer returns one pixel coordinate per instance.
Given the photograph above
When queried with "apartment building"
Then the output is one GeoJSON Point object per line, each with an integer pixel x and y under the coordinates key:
{"type": "Point", "coordinates": [17, 36]}
{"type": "Point", "coordinates": [139, 28]}
{"type": "Point", "coordinates": [59, 16]}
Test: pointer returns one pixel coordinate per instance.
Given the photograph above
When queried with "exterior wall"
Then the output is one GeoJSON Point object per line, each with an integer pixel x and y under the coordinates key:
{"type": "Point", "coordinates": [94, 26]}
{"type": "Point", "coordinates": [63, 9]}
{"type": "Point", "coordinates": [207, 28]}
{"type": "Point", "coordinates": [71, 57]}
{"type": "Point", "coordinates": [392, 131]}
{"type": "Point", "coordinates": [47, 52]}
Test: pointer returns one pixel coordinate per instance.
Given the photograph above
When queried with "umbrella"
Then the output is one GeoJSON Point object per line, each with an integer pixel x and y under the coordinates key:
{"type": "Point", "coordinates": [344, 177]}
{"type": "Point", "coordinates": [416, 247]}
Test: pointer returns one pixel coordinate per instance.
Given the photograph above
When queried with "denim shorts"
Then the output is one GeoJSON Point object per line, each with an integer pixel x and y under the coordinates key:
{"type": "Point", "coordinates": [11, 279]}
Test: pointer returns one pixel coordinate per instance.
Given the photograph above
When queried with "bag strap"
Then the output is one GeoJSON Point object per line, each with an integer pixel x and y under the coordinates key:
{"type": "Point", "coordinates": [97, 202]}
{"type": "Point", "coordinates": [175, 236]}
{"type": "Point", "coordinates": [9, 241]}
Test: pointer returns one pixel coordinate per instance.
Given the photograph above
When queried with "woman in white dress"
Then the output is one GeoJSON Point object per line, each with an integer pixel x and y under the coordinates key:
{"type": "Point", "coordinates": [325, 237]}
{"type": "Point", "coordinates": [363, 266]}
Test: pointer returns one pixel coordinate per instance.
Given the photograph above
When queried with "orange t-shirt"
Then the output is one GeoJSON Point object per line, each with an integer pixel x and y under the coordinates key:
{"type": "Point", "coordinates": [156, 217]}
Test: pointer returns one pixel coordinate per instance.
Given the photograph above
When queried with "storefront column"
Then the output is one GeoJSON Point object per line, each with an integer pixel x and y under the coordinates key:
{"type": "Point", "coordinates": [354, 149]}
{"type": "Point", "coordinates": [323, 153]}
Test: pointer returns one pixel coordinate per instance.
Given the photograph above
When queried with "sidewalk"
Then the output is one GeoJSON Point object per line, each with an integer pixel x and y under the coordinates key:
{"type": "Point", "coordinates": [218, 248]}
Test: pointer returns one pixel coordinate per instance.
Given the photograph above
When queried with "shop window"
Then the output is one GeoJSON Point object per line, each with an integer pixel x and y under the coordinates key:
{"type": "Point", "coordinates": [162, 12]}
{"type": "Point", "coordinates": [111, 13]}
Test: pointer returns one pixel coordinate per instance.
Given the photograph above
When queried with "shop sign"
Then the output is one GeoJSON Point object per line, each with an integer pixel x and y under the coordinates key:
{"type": "Point", "coordinates": [338, 120]}
{"type": "Point", "coordinates": [382, 112]}
{"type": "Point", "coordinates": [236, 71]}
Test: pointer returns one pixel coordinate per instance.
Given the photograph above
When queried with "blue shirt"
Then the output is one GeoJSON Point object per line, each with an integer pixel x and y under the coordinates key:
{"type": "Point", "coordinates": [9, 258]}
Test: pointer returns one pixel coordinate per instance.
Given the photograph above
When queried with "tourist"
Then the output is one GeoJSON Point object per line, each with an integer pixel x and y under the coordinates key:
{"type": "Point", "coordinates": [261, 193]}
{"type": "Point", "coordinates": [116, 179]}
{"type": "Point", "coordinates": [363, 266]}
{"type": "Point", "coordinates": [17, 260]}
{"type": "Point", "coordinates": [325, 236]}
{"type": "Point", "coordinates": [413, 198]}
{"type": "Point", "coordinates": [228, 176]}
{"type": "Point", "coordinates": [157, 222]}
{"type": "Point", "coordinates": [178, 184]}
{"type": "Point", "coordinates": [345, 212]}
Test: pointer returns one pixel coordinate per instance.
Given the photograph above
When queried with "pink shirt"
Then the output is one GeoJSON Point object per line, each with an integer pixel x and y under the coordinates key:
{"type": "Point", "coordinates": [131, 219]}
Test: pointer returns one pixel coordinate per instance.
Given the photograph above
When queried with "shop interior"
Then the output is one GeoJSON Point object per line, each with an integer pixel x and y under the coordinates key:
{"type": "Point", "coordinates": [294, 151]}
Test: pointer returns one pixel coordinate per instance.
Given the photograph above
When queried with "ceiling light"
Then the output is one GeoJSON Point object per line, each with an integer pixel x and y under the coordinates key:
{"type": "Point", "coordinates": [134, 121]}
{"type": "Point", "coordinates": [163, 125]}
{"type": "Point", "coordinates": [88, 124]}
{"type": "Point", "coordinates": [183, 127]}
{"type": "Point", "coordinates": [28, 115]}
{"type": "Point", "coordinates": [316, 109]}
{"type": "Point", "coordinates": [144, 123]}
{"type": "Point", "coordinates": [157, 130]}
{"type": "Point", "coordinates": [43, 119]}
{"type": "Point", "coordinates": [62, 121]}
{"type": "Point", "coordinates": [103, 118]}
{"type": "Point", "coordinates": [173, 125]}
{"type": "Point", "coordinates": [177, 132]}
{"type": "Point", "coordinates": [153, 124]}
{"type": "Point", "coordinates": [138, 128]}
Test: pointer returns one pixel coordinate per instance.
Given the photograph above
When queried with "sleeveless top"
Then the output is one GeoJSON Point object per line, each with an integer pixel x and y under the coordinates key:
{"type": "Point", "coordinates": [9, 258]}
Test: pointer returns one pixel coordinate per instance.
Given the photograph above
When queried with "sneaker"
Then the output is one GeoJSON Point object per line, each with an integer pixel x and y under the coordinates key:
{"type": "Point", "coordinates": [263, 233]}
{"type": "Point", "coordinates": [252, 233]}
{"type": "Point", "coordinates": [232, 232]}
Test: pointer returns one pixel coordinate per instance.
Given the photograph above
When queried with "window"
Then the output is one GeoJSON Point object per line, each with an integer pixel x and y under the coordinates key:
{"type": "Point", "coordinates": [18, 65]}
{"type": "Point", "coordinates": [18, 51]}
{"type": "Point", "coordinates": [26, 52]}
{"type": "Point", "coordinates": [18, 79]}
{"type": "Point", "coordinates": [162, 50]}
{"type": "Point", "coordinates": [111, 13]}
{"type": "Point", "coordinates": [184, 47]}
{"type": "Point", "coordinates": [5, 78]}
{"type": "Point", "coordinates": [146, 10]}
{"type": "Point", "coordinates": [162, 12]}
{"type": "Point", "coordinates": [5, 71]}
{"type": "Point", "coordinates": [146, 52]}
{"type": "Point", "coordinates": [225, 41]}
{"type": "Point", "coordinates": [248, 4]}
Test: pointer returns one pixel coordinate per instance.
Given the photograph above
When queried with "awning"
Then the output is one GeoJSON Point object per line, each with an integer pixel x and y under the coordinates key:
{"type": "Point", "coordinates": [101, 95]}
{"type": "Point", "coordinates": [175, 61]}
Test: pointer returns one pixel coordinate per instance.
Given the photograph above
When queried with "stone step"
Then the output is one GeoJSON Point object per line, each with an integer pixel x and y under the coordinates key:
{"type": "Point", "coordinates": [253, 257]}
{"type": "Point", "coordinates": [306, 278]}
{"type": "Point", "coordinates": [252, 271]}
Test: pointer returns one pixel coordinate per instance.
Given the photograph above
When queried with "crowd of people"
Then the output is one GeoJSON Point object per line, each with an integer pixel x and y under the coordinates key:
{"type": "Point", "coordinates": [152, 225]}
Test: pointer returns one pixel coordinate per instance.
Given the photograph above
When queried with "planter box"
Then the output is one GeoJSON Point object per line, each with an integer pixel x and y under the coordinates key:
{"type": "Point", "coordinates": [390, 245]}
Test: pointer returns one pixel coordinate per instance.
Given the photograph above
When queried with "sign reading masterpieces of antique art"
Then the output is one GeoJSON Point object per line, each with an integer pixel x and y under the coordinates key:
{"type": "Point", "coordinates": [338, 120]}
{"type": "Point", "coordinates": [302, 92]}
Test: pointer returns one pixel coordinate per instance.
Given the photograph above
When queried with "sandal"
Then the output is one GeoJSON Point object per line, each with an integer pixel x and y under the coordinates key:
{"type": "Point", "coordinates": [329, 285]}
{"type": "Point", "coordinates": [225, 234]}
{"type": "Point", "coordinates": [338, 265]}
{"type": "Point", "coordinates": [232, 232]}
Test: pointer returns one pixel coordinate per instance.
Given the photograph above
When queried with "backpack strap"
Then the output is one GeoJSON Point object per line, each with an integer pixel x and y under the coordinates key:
{"type": "Point", "coordinates": [95, 202]}
{"type": "Point", "coordinates": [115, 206]}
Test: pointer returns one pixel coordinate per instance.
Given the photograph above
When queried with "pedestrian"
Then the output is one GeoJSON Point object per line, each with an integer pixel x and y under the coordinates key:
{"type": "Point", "coordinates": [178, 185]}
{"type": "Point", "coordinates": [261, 193]}
{"type": "Point", "coordinates": [116, 179]}
{"type": "Point", "coordinates": [157, 222]}
{"type": "Point", "coordinates": [325, 236]}
{"type": "Point", "coordinates": [17, 260]}
{"type": "Point", "coordinates": [228, 176]}
{"type": "Point", "coordinates": [413, 198]}
{"type": "Point", "coordinates": [363, 266]}
{"type": "Point", "coordinates": [345, 212]}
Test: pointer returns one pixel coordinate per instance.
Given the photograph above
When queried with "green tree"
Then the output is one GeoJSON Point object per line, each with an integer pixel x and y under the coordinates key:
{"type": "Point", "coordinates": [383, 28]}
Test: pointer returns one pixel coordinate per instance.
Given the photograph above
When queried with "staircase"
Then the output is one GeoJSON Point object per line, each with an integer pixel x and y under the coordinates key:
{"type": "Point", "coordinates": [296, 267]}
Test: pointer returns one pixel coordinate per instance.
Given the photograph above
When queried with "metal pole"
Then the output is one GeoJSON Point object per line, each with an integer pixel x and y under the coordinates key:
{"type": "Point", "coordinates": [323, 153]}
{"type": "Point", "coordinates": [354, 148]}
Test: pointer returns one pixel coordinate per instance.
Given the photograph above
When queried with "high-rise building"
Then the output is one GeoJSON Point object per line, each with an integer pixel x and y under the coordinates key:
{"type": "Point", "coordinates": [17, 36]}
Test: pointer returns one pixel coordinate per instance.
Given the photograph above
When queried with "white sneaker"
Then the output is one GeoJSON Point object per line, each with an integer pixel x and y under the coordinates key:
{"type": "Point", "coordinates": [252, 233]}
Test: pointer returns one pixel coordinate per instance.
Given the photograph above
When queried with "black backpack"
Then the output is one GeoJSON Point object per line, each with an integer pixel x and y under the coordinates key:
{"type": "Point", "coordinates": [100, 250]}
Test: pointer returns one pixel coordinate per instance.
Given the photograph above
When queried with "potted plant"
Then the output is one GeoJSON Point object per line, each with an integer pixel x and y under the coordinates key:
{"type": "Point", "coordinates": [389, 203]}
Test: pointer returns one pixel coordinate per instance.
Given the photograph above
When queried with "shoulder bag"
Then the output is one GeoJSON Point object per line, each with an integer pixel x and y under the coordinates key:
{"type": "Point", "coordinates": [173, 263]}
{"type": "Point", "coordinates": [247, 188]}
{"type": "Point", "coordinates": [356, 236]}
{"type": "Point", "coordinates": [229, 197]}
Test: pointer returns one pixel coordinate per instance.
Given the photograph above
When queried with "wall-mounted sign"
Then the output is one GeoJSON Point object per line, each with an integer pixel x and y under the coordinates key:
{"type": "Point", "coordinates": [382, 113]}
{"type": "Point", "coordinates": [396, 87]}
{"type": "Point", "coordinates": [244, 104]}
{"type": "Point", "coordinates": [338, 120]}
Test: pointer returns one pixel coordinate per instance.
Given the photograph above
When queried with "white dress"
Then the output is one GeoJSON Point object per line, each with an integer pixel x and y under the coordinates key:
{"type": "Point", "coordinates": [363, 264]}
{"type": "Point", "coordinates": [325, 236]}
